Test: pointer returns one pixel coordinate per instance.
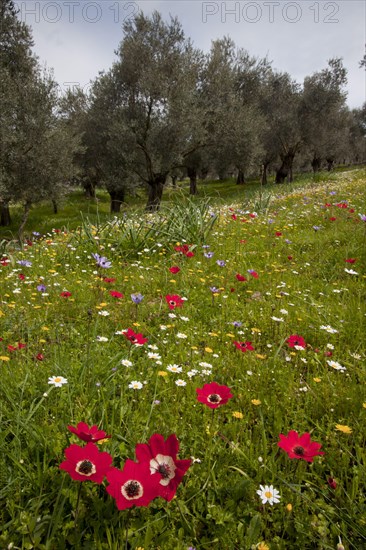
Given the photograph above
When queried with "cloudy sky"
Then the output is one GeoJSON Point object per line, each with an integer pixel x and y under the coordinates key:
{"type": "Point", "coordinates": [77, 38]}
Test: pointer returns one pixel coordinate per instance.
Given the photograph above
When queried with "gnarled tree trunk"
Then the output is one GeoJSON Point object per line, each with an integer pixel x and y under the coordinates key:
{"type": "Point", "coordinates": [192, 174]}
{"type": "Point", "coordinates": [156, 186]}
{"type": "Point", "coordinates": [117, 198]}
{"type": "Point", "coordinates": [27, 208]}
{"type": "Point", "coordinates": [264, 173]}
{"type": "Point", "coordinates": [55, 206]}
{"type": "Point", "coordinates": [330, 162]}
{"type": "Point", "coordinates": [285, 170]}
{"type": "Point", "coordinates": [316, 164]}
{"type": "Point", "coordinates": [240, 177]}
{"type": "Point", "coordinates": [5, 218]}
{"type": "Point", "coordinates": [89, 189]}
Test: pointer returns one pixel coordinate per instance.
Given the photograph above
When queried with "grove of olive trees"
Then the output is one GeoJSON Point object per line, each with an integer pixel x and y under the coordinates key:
{"type": "Point", "coordinates": [164, 109]}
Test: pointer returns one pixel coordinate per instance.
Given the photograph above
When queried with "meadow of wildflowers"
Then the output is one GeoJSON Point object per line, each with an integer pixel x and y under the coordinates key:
{"type": "Point", "coordinates": [165, 386]}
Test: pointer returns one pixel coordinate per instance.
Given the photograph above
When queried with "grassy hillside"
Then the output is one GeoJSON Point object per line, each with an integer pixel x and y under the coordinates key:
{"type": "Point", "coordinates": [263, 295]}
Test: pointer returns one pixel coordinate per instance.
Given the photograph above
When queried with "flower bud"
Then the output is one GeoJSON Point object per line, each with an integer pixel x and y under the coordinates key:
{"type": "Point", "coordinates": [332, 483]}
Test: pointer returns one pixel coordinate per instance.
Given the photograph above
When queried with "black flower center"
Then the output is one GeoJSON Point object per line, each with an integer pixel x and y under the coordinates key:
{"type": "Point", "coordinates": [299, 450]}
{"type": "Point", "coordinates": [86, 467]}
{"type": "Point", "coordinates": [164, 471]}
{"type": "Point", "coordinates": [214, 398]}
{"type": "Point", "coordinates": [172, 303]}
{"type": "Point", "coordinates": [132, 489]}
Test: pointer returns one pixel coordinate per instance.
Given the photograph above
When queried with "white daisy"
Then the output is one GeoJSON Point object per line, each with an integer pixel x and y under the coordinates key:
{"type": "Point", "coordinates": [180, 382]}
{"type": "Point", "coordinates": [174, 368]}
{"type": "Point", "coordinates": [205, 365]}
{"type": "Point", "coordinates": [103, 313]}
{"type": "Point", "coordinates": [268, 494]}
{"type": "Point", "coordinates": [102, 339]}
{"type": "Point", "coordinates": [335, 365]}
{"type": "Point", "coordinates": [152, 355]}
{"type": "Point", "coordinates": [57, 381]}
{"type": "Point", "coordinates": [328, 329]}
{"type": "Point", "coordinates": [126, 363]}
{"type": "Point", "coordinates": [135, 385]}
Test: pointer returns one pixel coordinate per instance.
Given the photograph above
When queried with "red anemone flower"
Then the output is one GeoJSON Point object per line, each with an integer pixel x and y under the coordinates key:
{"type": "Point", "coordinates": [240, 277]}
{"type": "Point", "coordinates": [184, 249]}
{"type": "Point", "coordinates": [278, 234]}
{"type": "Point", "coordinates": [86, 463]}
{"type": "Point", "coordinates": [116, 294]}
{"type": "Point", "coordinates": [213, 395]}
{"type": "Point", "coordinates": [296, 340]}
{"type": "Point", "coordinates": [244, 346]}
{"type": "Point", "coordinates": [173, 301]}
{"type": "Point", "coordinates": [40, 357]}
{"type": "Point", "coordinates": [21, 276]}
{"type": "Point", "coordinates": [65, 294]}
{"type": "Point", "coordinates": [162, 458]}
{"type": "Point", "coordinates": [351, 260]}
{"type": "Point", "coordinates": [21, 346]}
{"type": "Point", "coordinates": [300, 447]}
{"type": "Point", "coordinates": [174, 269]}
{"type": "Point", "coordinates": [109, 280]}
{"type": "Point", "coordinates": [132, 486]}
{"type": "Point", "coordinates": [135, 338]}
{"type": "Point", "coordinates": [83, 432]}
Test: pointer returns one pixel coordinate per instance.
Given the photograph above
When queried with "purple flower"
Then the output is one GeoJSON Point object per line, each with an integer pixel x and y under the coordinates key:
{"type": "Point", "coordinates": [287, 241]}
{"type": "Point", "coordinates": [214, 289]}
{"type": "Point", "coordinates": [41, 288]}
{"type": "Point", "coordinates": [333, 193]}
{"type": "Point", "coordinates": [362, 217]}
{"type": "Point", "coordinates": [36, 233]}
{"type": "Point", "coordinates": [208, 254]}
{"type": "Point", "coordinates": [102, 261]}
{"type": "Point", "coordinates": [271, 221]}
{"type": "Point", "coordinates": [316, 227]}
{"type": "Point", "coordinates": [26, 263]}
{"type": "Point", "coordinates": [137, 298]}
{"type": "Point", "coordinates": [205, 246]}
{"type": "Point", "coordinates": [221, 263]}
{"type": "Point", "coordinates": [237, 324]}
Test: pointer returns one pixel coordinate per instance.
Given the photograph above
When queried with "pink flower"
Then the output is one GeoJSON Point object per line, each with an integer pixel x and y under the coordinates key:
{"type": "Point", "coordinates": [164, 465]}
{"type": "Point", "coordinates": [213, 395]}
{"type": "Point", "coordinates": [300, 447]}
{"type": "Point", "coordinates": [86, 463]}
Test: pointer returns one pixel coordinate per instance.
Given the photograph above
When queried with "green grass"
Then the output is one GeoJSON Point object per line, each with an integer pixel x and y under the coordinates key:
{"type": "Point", "coordinates": [301, 280]}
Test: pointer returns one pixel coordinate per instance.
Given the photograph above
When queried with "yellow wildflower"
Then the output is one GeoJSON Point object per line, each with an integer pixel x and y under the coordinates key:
{"type": "Point", "coordinates": [344, 429]}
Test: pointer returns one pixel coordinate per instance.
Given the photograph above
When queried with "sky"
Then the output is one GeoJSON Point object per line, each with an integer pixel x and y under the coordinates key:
{"type": "Point", "coordinates": [78, 38]}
